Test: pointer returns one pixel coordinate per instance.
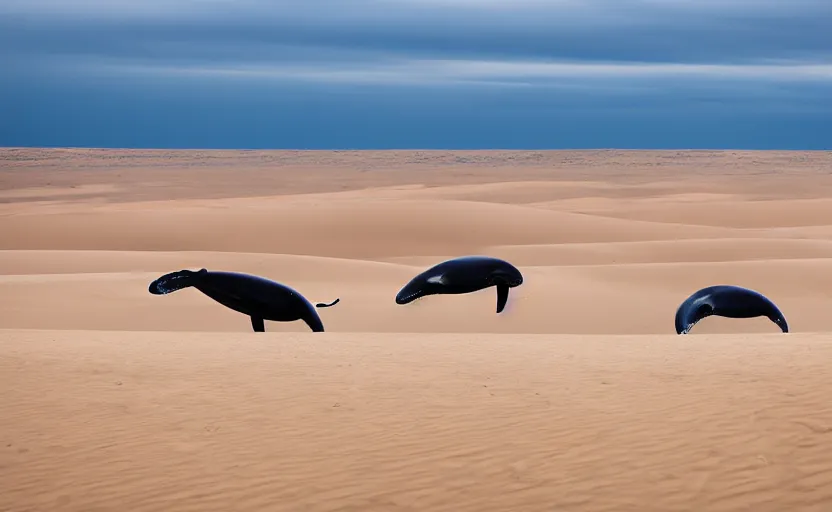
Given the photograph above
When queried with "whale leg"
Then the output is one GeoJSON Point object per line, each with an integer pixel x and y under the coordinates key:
{"type": "Point", "coordinates": [502, 296]}
{"type": "Point", "coordinates": [314, 322]}
{"type": "Point", "coordinates": [257, 324]}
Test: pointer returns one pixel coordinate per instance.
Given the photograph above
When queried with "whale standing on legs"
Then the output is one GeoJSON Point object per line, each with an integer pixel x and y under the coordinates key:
{"type": "Point", "coordinates": [727, 301]}
{"type": "Point", "coordinates": [257, 297]}
{"type": "Point", "coordinates": [463, 275]}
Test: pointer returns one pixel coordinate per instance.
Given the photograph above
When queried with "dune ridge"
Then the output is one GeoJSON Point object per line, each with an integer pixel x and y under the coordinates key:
{"type": "Point", "coordinates": [578, 397]}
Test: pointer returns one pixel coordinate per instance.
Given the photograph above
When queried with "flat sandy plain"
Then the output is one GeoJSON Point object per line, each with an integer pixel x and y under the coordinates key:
{"type": "Point", "coordinates": [579, 397]}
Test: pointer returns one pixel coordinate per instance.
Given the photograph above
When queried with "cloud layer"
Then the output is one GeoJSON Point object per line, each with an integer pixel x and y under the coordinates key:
{"type": "Point", "coordinates": [635, 55]}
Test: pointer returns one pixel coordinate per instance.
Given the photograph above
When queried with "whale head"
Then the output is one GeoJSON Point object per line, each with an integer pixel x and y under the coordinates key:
{"type": "Point", "coordinates": [420, 286]}
{"type": "Point", "coordinates": [175, 281]}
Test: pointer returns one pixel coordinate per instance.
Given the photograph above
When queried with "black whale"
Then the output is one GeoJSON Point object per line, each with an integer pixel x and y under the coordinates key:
{"type": "Point", "coordinates": [727, 301]}
{"type": "Point", "coordinates": [257, 297]}
{"type": "Point", "coordinates": [463, 275]}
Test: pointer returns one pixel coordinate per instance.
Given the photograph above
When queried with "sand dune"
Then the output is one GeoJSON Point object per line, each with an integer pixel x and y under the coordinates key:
{"type": "Point", "coordinates": [664, 251]}
{"type": "Point", "coordinates": [578, 397]}
{"type": "Point", "coordinates": [740, 214]}
{"type": "Point", "coordinates": [350, 228]}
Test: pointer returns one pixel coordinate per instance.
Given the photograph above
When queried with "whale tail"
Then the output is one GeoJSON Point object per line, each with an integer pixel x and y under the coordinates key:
{"type": "Point", "coordinates": [313, 320]}
{"type": "Point", "coordinates": [324, 305]}
{"type": "Point", "coordinates": [175, 281]}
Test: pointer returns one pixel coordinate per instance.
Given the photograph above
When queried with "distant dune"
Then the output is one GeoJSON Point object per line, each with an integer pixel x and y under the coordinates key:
{"type": "Point", "coordinates": [580, 396]}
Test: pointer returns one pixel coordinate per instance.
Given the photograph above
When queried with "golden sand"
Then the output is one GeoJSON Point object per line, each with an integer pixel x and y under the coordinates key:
{"type": "Point", "coordinates": [579, 397]}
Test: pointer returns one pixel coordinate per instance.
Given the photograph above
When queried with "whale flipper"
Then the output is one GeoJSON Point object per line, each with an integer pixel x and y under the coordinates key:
{"type": "Point", "coordinates": [323, 305]}
{"type": "Point", "coordinates": [257, 324]}
{"type": "Point", "coordinates": [502, 296]}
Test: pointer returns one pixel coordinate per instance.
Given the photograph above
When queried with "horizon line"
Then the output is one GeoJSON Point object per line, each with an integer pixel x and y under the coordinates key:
{"type": "Point", "coordinates": [356, 150]}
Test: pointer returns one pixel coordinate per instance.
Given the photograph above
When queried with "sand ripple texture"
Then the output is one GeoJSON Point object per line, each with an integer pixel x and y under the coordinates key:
{"type": "Point", "coordinates": [149, 421]}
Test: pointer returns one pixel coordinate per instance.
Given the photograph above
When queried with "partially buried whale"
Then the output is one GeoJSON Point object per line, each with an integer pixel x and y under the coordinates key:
{"type": "Point", "coordinates": [727, 301]}
{"type": "Point", "coordinates": [463, 275]}
{"type": "Point", "coordinates": [257, 297]}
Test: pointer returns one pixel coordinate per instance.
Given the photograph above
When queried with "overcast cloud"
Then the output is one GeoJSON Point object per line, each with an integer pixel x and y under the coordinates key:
{"type": "Point", "coordinates": [518, 58]}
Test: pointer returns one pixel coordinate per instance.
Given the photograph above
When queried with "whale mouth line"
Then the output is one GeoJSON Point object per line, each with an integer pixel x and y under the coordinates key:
{"type": "Point", "coordinates": [160, 289]}
{"type": "Point", "coordinates": [165, 286]}
{"type": "Point", "coordinates": [408, 298]}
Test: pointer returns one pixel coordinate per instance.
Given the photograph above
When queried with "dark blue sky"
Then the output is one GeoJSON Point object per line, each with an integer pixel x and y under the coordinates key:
{"type": "Point", "coordinates": [416, 73]}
